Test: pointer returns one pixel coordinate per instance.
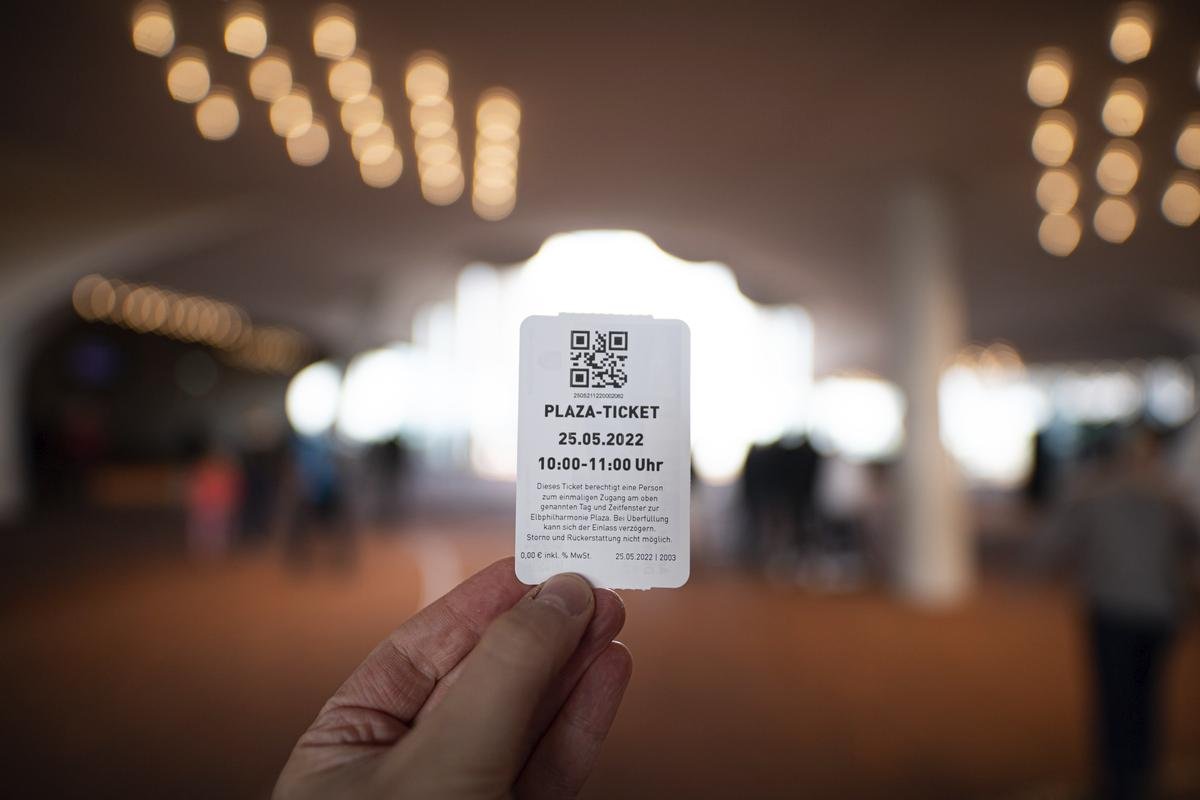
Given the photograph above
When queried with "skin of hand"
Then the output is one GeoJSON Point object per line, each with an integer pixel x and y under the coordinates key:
{"type": "Point", "coordinates": [495, 690]}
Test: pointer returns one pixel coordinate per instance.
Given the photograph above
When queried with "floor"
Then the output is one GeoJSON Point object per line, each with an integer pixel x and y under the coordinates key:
{"type": "Point", "coordinates": [153, 676]}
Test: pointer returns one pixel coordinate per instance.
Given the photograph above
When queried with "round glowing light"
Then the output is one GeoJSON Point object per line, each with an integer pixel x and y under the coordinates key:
{"type": "Point", "coordinates": [492, 153]}
{"type": "Point", "coordinates": [187, 76]}
{"type": "Point", "coordinates": [217, 115]}
{"type": "Point", "coordinates": [440, 175]}
{"type": "Point", "coordinates": [1133, 33]}
{"type": "Point", "coordinates": [1117, 171]}
{"type": "Point", "coordinates": [363, 115]}
{"type": "Point", "coordinates": [493, 211]}
{"type": "Point", "coordinates": [375, 147]}
{"type": "Point", "coordinates": [432, 120]}
{"type": "Point", "coordinates": [495, 175]}
{"type": "Point", "coordinates": [446, 187]}
{"type": "Point", "coordinates": [334, 35]}
{"type": "Point", "coordinates": [1181, 201]}
{"type": "Point", "coordinates": [384, 173]}
{"type": "Point", "coordinates": [309, 146]}
{"type": "Point", "coordinates": [312, 398]}
{"type": "Point", "coordinates": [1115, 219]}
{"type": "Point", "coordinates": [246, 33]}
{"type": "Point", "coordinates": [1054, 138]}
{"type": "Point", "coordinates": [81, 295]}
{"type": "Point", "coordinates": [271, 77]}
{"type": "Point", "coordinates": [1049, 77]}
{"type": "Point", "coordinates": [1187, 146]}
{"type": "Point", "coordinates": [498, 115]}
{"type": "Point", "coordinates": [427, 79]}
{"type": "Point", "coordinates": [442, 150]}
{"type": "Point", "coordinates": [1058, 190]}
{"type": "Point", "coordinates": [350, 79]}
{"type": "Point", "coordinates": [291, 114]}
{"type": "Point", "coordinates": [153, 29]}
{"type": "Point", "coordinates": [1059, 233]}
{"type": "Point", "coordinates": [1125, 108]}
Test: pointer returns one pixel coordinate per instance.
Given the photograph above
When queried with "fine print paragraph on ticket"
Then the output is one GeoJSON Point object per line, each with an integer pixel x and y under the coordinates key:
{"type": "Point", "coordinates": [604, 450]}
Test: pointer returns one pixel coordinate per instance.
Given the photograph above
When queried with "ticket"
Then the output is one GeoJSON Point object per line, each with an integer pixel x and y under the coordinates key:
{"type": "Point", "coordinates": [604, 450]}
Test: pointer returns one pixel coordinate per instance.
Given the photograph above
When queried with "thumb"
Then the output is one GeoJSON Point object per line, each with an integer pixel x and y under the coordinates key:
{"type": "Point", "coordinates": [479, 736]}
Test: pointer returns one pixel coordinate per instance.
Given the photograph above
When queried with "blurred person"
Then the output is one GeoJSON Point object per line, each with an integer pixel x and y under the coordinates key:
{"type": "Point", "coordinates": [496, 689]}
{"type": "Point", "coordinates": [317, 498]}
{"type": "Point", "coordinates": [842, 498]}
{"type": "Point", "coordinates": [214, 494]}
{"type": "Point", "coordinates": [263, 455]}
{"type": "Point", "coordinates": [1134, 540]}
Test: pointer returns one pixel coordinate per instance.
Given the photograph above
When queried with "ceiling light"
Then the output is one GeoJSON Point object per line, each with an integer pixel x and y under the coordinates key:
{"type": "Point", "coordinates": [1059, 233]}
{"type": "Point", "coordinates": [1117, 171]}
{"type": "Point", "coordinates": [363, 115]}
{"type": "Point", "coordinates": [1049, 77]}
{"type": "Point", "coordinates": [217, 115]}
{"type": "Point", "coordinates": [187, 75]}
{"type": "Point", "coordinates": [1181, 201]}
{"type": "Point", "coordinates": [292, 113]}
{"type": "Point", "coordinates": [153, 29]}
{"type": "Point", "coordinates": [427, 79]}
{"type": "Point", "coordinates": [1058, 190]}
{"type": "Point", "coordinates": [246, 31]}
{"type": "Point", "coordinates": [271, 76]}
{"type": "Point", "coordinates": [333, 33]}
{"type": "Point", "coordinates": [1054, 138]}
{"type": "Point", "coordinates": [382, 174]}
{"type": "Point", "coordinates": [1125, 107]}
{"type": "Point", "coordinates": [1133, 33]}
{"type": "Point", "coordinates": [309, 146]}
{"type": "Point", "coordinates": [1187, 146]}
{"type": "Point", "coordinates": [1115, 219]}
{"type": "Point", "coordinates": [350, 79]}
{"type": "Point", "coordinates": [375, 147]}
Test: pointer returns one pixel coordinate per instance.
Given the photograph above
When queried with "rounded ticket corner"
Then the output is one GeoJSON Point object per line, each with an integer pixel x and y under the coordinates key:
{"type": "Point", "coordinates": [526, 575]}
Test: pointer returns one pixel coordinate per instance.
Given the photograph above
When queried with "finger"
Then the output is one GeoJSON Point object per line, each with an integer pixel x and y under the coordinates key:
{"type": "Point", "coordinates": [478, 734]}
{"type": "Point", "coordinates": [380, 699]}
{"type": "Point", "coordinates": [564, 757]}
{"type": "Point", "coordinates": [607, 621]}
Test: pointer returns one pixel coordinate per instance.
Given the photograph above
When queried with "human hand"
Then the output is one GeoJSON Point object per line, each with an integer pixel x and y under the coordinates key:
{"type": "Point", "coordinates": [492, 691]}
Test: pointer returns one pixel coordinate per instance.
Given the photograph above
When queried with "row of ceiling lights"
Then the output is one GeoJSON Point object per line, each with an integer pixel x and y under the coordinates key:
{"type": "Point", "coordinates": [1120, 163]}
{"type": "Point", "coordinates": [362, 112]}
{"type": "Point", "coordinates": [144, 308]}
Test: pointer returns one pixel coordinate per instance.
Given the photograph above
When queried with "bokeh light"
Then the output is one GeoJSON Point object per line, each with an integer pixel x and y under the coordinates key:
{"type": "Point", "coordinates": [1059, 233]}
{"type": "Point", "coordinates": [427, 79]}
{"type": "Point", "coordinates": [1125, 108]}
{"type": "Point", "coordinates": [373, 147]}
{"type": "Point", "coordinates": [334, 35]}
{"type": "Point", "coordinates": [1133, 33]}
{"type": "Point", "coordinates": [1115, 219]}
{"type": "Point", "coordinates": [1117, 170]}
{"type": "Point", "coordinates": [350, 79]}
{"type": "Point", "coordinates": [1058, 190]}
{"type": "Point", "coordinates": [217, 114]}
{"type": "Point", "coordinates": [364, 115]}
{"type": "Point", "coordinates": [1049, 77]}
{"type": "Point", "coordinates": [1054, 138]}
{"type": "Point", "coordinates": [187, 75]}
{"type": "Point", "coordinates": [432, 120]}
{"type": "Point", "coordinates": [310, 145]}
{"type": "Point", "coordinates": [1181, 200]}
{"type": "Point", "coordinates": [312, 398]}
{"type": "Point", "coordinates": [1187, 146]}
{"type": "Point", "coordinates": [246, 31]}
{"type": "Point", "coordinates": [384, 173]}
{"type": "Point", "coordinates": [271, 76]}
{"type": "Point", "coordinates": [292, 113]}
{"type": "Point", "coordinates": [153, 28]}
{"type": "Point", "coordinates": [497, 124]}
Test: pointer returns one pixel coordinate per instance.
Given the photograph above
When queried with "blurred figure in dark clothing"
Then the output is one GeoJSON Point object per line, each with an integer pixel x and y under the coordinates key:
{"type": "Point", "coordinates": [264, 460]}
{"type": "Point", "coordinates": [1133, 541]}
{"type": "Point", "coordinates": [388, 465]}
{"type": "Point", "coordinates": [779, 494]}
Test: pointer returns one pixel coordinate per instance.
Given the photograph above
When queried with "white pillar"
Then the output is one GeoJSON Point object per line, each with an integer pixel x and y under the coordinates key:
{"type": "Point", "coordinates": [934, 553]}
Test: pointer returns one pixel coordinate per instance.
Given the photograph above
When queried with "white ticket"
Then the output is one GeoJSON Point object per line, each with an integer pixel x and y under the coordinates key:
{"type": "Point", "coordinates": [604, 450]}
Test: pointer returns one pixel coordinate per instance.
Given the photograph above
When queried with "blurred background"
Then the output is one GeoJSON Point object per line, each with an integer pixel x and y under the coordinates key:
{"type": "Point", "coordinates": [261, 272]}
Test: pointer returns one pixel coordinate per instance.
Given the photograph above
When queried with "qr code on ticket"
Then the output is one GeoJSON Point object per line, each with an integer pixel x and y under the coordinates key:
{"type": "Point", "coordinates": [598, 359]}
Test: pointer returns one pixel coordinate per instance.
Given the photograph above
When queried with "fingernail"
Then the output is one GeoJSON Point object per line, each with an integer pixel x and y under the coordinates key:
{"type": "Point", "coordinates": [570, 593]}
